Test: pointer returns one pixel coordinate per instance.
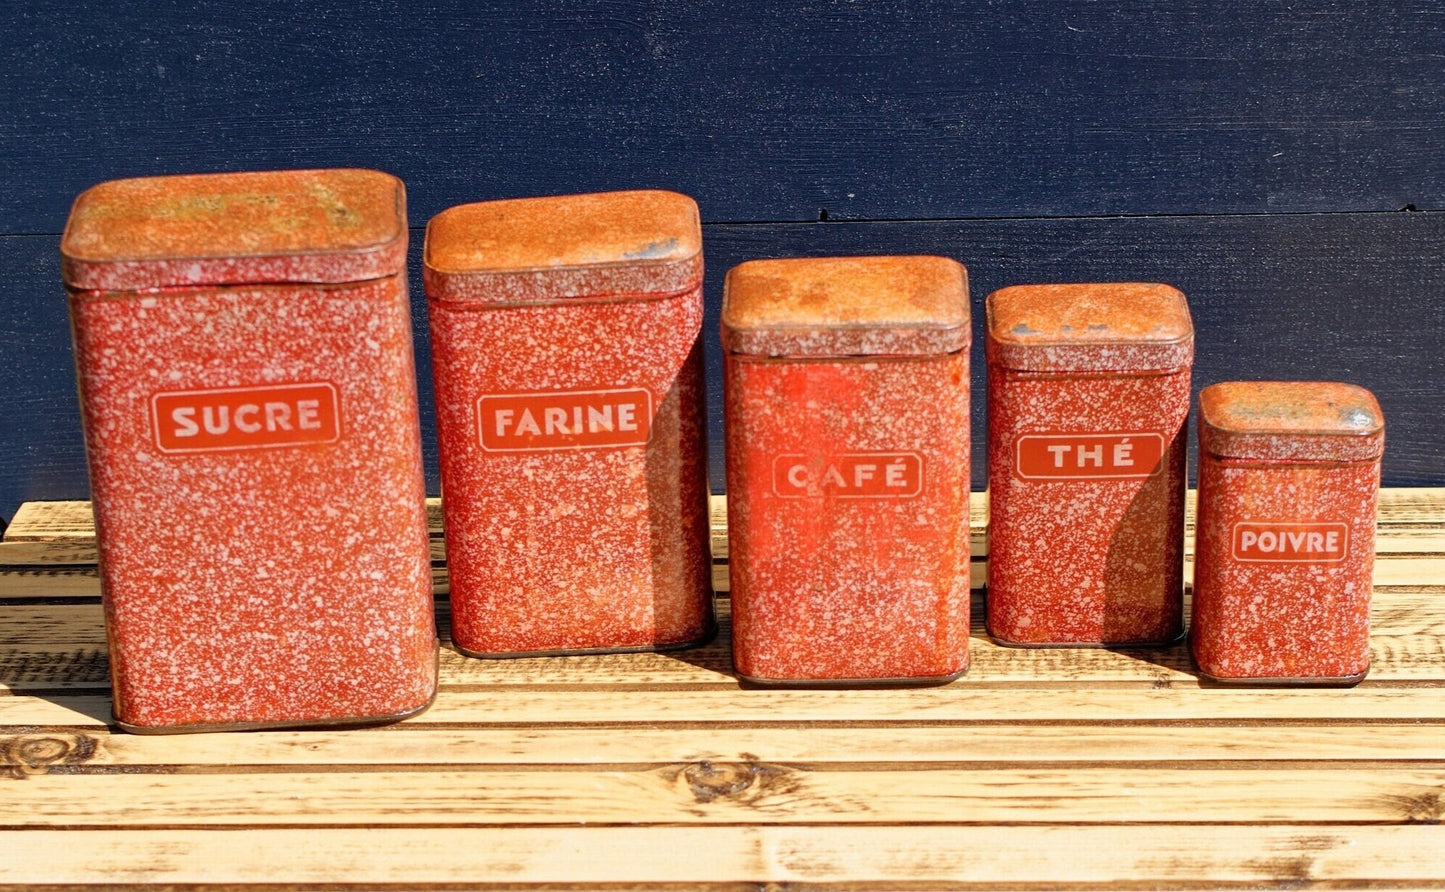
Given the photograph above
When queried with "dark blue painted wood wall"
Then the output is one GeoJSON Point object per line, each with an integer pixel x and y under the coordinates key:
{"type": "Point", "coordinates": [1283, 163]}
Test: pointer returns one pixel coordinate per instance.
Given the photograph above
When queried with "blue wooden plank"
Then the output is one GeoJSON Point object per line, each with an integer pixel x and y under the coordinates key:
{"type": "Point", "coordinates": [763, 111]}
{"type": "Point", "coordinates": [1335, 296]}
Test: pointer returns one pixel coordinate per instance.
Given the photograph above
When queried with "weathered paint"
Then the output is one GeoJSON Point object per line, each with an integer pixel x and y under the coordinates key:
{"type": "Point", "coordinates": [1285, 541]}
{"type": "Point", "coordinates": [847, 405]}
{"type": "Point", "coordinates": [1087, 407]}
{"type": "Point", "coordinates": [222, 403]}
{"type": "Point", "coordinates": [570, 415]}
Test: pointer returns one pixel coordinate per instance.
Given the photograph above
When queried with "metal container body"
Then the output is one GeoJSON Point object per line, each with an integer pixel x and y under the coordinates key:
{"type": "Point", "coordinates": [254, 449]}
{"type": "Point", "coordinates": [570, 413]}
{"type": "Point", "coordinates": [1284, 552]}
{"type": "Point", "coordinates": [847, 410]}
{"type": "Point", "coordinates": [1089, 391]}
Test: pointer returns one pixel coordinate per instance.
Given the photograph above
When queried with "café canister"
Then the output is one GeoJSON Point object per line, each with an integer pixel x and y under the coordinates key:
{"type": "Point", "coordinates": [1088, 400]}
{"type": "Point", "coordinates": [569, 392]}
{"type": "Point", "coordinates": [847, 410]}
{"type": "Point", "coordinates": [243, 346]}
{"type": "Point", "coordinates": [1289, 475]}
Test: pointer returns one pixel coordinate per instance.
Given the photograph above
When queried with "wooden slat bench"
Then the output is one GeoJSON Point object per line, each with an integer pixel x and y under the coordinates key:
{"type": "Point", "coordinates": [1051, 769]}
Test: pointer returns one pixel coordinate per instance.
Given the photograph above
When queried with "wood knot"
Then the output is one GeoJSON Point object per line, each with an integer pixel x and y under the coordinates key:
{"type": "Point", "coordinates": [710, 781]}
{"type": "Point", "coordinates": [29, 754]}
{"type": "Point", "coordinates": [1423, 809]}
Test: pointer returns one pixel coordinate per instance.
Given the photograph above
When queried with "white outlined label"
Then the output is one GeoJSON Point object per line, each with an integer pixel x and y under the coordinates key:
{"type": "Point", "coordinates": [226, 419]}
{"type": "Point", "coordinates": [852, 475]}
{"type": "Point", "coordinates": [1089, 456]}
{"type": "Point", "coordinates": [564, 419]}
{"type": "Point", "coordinates": [1289, 543]}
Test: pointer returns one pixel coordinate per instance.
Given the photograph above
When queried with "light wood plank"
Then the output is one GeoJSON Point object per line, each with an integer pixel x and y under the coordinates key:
{"type": "Point", "coordinates": [732, 793]}
{"type": "Point", "coordinates": [1394, 611]}
{"type": "Point", "coordinates": [41, 581]}
{"type": "Point", "coordinates": [59, 647]}
{"type": "Point", "coordinates": [61, 533]}
{"type": "Point", "coordinates": [1395, 659]}
{"type": "Point", "coordinates": [955, 703]}
{"type": "Point", "coordinates": [414, 744]}
{"type": "Point", "coordinates": [1117, 857]}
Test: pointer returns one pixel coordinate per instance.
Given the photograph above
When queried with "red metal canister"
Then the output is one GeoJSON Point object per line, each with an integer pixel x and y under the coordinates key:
{"type": "Point", "coordinates": [1087, 406]}
{"type": "Point", "coordinates": [244, 351]}
{"type": "Point", "coordinates": [1289, 473]}
{"type": "Point", "coordinates": [569, 392]}
{"type": "Point", "coordinates": [847, 403]}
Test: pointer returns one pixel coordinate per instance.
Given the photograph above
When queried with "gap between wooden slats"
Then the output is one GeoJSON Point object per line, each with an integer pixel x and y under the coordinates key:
{"type": "Point", "coordinates": [1112, 857]}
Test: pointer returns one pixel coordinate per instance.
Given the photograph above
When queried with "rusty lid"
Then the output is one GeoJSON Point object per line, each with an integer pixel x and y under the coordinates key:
{"type": "Point", "coordinates": [846, 306]}
{"type": "Point", "coordinates": [234, 228]}
{"type": "Point", "coordinates": [1103, 327]}
{"type": "Point", "coordinates": [1290, 421]}
{"type": "Point", "coordinates": [526, 250]}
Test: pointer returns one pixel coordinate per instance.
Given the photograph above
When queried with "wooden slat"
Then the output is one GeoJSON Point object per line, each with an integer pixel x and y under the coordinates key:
{"type": "Point", "coordinates": [960, 702]}
{"type": "Point", "coordinates": [61, 533]}
{"type": "Point", "coordinates": [1394, 659]}
{"type": "Point", "coordinates": [1108, 857]}
{"type": "Point", "coordinates": [1393, 611]}
{"type": "Point", "coordinates": [732, 793]}
{"type": "Point", "coordinates": [417, 744]}
{"type": "Point", "coordinates": [42, 658]}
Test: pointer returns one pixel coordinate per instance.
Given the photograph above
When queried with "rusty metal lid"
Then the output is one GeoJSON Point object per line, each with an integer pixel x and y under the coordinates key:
{"type": "Point", "coordinates": [235, 228]}
{"type": "Point", "coordinates": [846, 306]}
{"type": "Point", "coordinates": [1100, 327]}
{"type": "Point", "coordinates": [527, 250]}
{"type": "Point", "coordinates": [1290, 421]}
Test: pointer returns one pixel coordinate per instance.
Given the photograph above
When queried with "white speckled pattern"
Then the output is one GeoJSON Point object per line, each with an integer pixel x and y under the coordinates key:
{"type": "Point", "coordinates": [836, 589]}
{"type": "Point", "coordinates": [1301, 456]}
{"type": "Point", "coordinates": [578, 549]}
{"type": "Point", "coordinates": [274, 586]}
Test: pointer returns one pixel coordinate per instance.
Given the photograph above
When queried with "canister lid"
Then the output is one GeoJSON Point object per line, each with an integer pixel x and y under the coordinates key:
{"type": "Point", "coordinates": [1290, 421]}
{"type": "Point", "coordinates": [233, 228]}
{"type": "Point", "coordinates": [609, 244]}
{"type": "Point", "coordinates": [846, 306]}
{"type": "Point", "coordinates": [1101, 327]}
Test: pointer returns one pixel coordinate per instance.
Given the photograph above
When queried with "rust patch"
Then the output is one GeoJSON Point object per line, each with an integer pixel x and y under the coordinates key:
{"type": "Point", "coordinates": [29, 754]}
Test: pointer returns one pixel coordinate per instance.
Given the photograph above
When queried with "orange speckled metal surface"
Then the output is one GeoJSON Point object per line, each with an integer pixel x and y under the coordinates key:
{"type": "Point", "coordinates": [1284, 554]}
{"type": "Point", "coordinates": [602, 245]}
{"type": "Point", "coordinates": [1291, 420]}
{"type": "Point", "coordinates": [848, 475]}
{"type": "Point", "coordinates": [213, 229]}
{"type": "Point", "coordinates": [846, 306]}
{"type": "Point", "coordinates": [1102, 326]}
{"type": "Point", "coordinates": [1088, 402]}
{"type": "Point", "coordinates": [216, 418]}
{"type": "Point", "coordinates": [570, 415]}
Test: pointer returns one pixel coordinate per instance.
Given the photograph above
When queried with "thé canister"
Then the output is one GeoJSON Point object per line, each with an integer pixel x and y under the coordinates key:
{"type": "Point", "coordinates": [569, 392]}
{"type": "Point", "coordinates": [1289, 475]}
{"type": "Point", "coordinates": [243, 346]}
{"type": "Point", "coordinates": [1088, 400]}
{"type": "Point", "coordinates": [847, 410]}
